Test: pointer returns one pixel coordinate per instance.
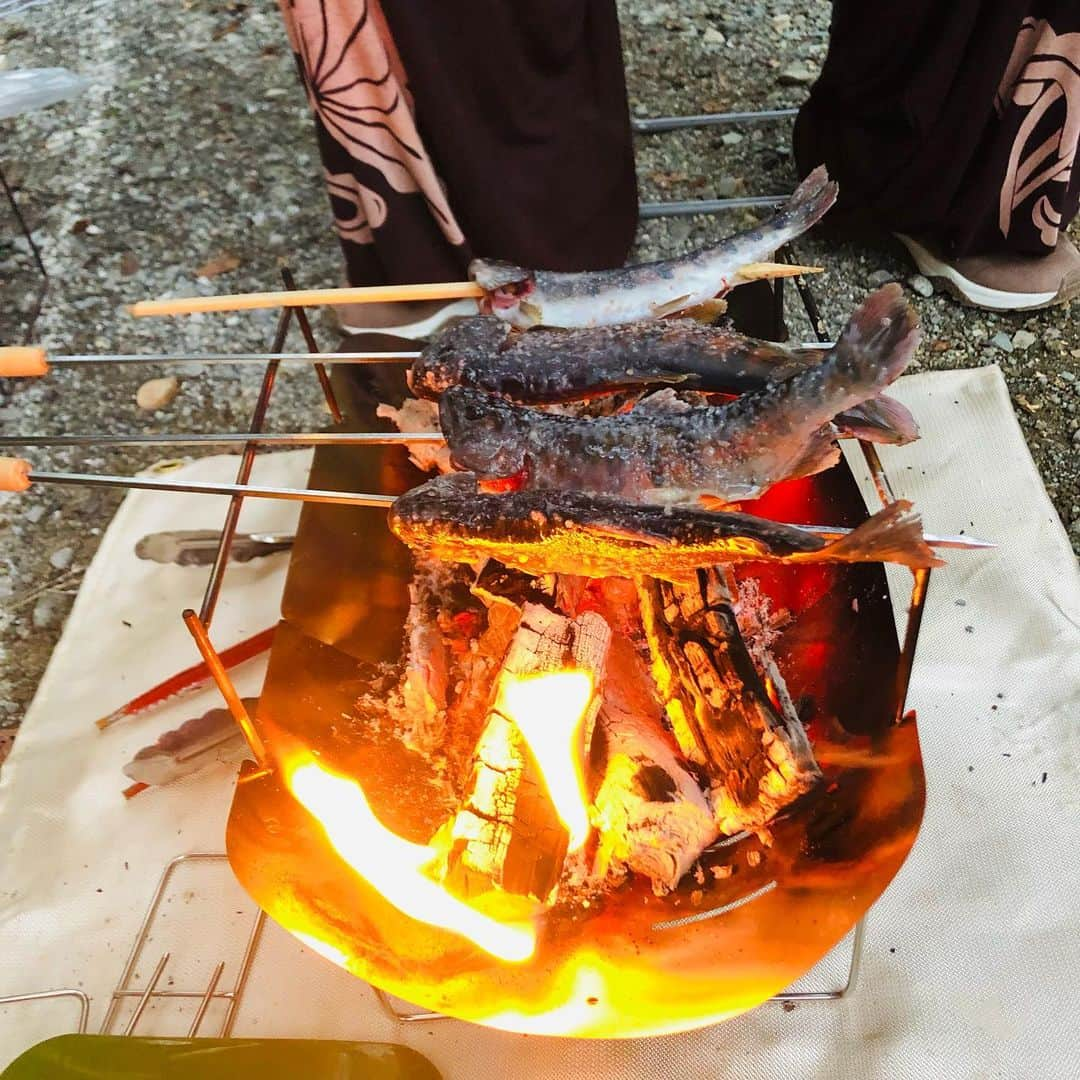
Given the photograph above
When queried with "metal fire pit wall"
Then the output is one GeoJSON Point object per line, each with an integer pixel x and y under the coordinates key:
{"type": "Point", "coordinates": [631, 964]}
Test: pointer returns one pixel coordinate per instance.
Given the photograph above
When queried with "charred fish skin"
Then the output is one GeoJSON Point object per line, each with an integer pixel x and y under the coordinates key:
{"type": "Point", "coordinates": [548, 366]}
{"type": "Point", "coordinates": [526, 298]}
{"type": "Point", "coordinates": [730, 452]}
{"type": "Point", "coordinates": [567, 532]}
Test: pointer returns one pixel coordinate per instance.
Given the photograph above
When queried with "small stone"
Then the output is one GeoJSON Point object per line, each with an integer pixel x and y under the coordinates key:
{"type": "Point", "coordinates": [155, 394]}
{"type": "Point", "coordinates": [728, 186]}
{"type": "Point", "coordinates": [35, 514]}
{"type": "Point", "coordinates": [61, 558]}
{"type": "Point", "coordinates": [797, 73]}
{"type": "Point", "coordinates": [1076, 437]}
{"type": "Point", "coordinates": [880, 277]}
{"type": "Point", "coordinates": [1068, 376]}
{"type": "Point", "coordinates": [1023, 339]}
{"type": "Point", "coordinates": [1002, 341]}
{"type": "Point", "coordinates": [712, 36]}
{"type": "Point", "coordinates": [731, 138]}
{"type": "Point", "coordinates": [922, 285]}
{"type": "Point", "coordinates": [49, 611]}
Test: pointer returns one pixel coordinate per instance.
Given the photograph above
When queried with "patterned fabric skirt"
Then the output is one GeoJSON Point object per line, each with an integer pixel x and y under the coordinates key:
{"type": "Point", "coordinates": [453, 129]}
{"type": "Point", "coordinates": [960, 120]}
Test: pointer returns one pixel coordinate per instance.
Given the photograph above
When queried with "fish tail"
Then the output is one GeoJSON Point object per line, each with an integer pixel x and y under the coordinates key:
{"type": "Point", "coordinates": [880, 420]}
{"type": "Point", "coordinates": [878, 341]}
{"type": "Point", "coordinates": [808, 204]}
{"type": "Point", "coordinates": [893, 535]}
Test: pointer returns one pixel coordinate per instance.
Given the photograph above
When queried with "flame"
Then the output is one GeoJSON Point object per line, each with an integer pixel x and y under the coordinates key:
{"type": "Point", "coordinates": [395, 866]}
{"type": "Point", "coordinates": [549, 711]}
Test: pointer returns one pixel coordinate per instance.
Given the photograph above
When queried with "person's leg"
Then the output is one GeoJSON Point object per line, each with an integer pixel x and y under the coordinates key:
{"type": "Point", "coordinates": [449, 129]}
{"type": "Point", "coordinates": [957, 126]}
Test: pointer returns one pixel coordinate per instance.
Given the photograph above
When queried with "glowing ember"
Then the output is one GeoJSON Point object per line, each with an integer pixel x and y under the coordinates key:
{"type": "Point", "coordinates": [548, 710]}
{"type": "Point", "coordinates": [394, 866]}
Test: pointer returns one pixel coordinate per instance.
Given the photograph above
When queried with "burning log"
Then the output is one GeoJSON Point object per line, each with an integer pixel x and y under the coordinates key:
{"type": "Point", "coordinates": [757, 756]}
{"type": "Point", "coordinates": [650, 811]}
{"type": "Point", "coordinates": [514, 828]}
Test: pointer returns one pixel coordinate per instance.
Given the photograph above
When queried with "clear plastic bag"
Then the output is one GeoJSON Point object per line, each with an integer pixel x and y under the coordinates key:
{"type": "Point", "coordinates": [34, 88]}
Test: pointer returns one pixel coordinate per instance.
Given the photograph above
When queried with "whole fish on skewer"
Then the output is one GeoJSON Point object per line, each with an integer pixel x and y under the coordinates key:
{"type": "Point", "coordinates": [548, 365]}
{"type": "Point", "coordinates": [568, 532]}
{"type": "Point", "coordinates": [525, 297]}
{"type": "Point", "coordinates": [663, 454]}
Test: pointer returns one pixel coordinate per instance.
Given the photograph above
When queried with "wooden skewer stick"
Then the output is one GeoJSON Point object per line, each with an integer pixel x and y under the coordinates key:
{"type": "Point", "coordinates": [444, 290]}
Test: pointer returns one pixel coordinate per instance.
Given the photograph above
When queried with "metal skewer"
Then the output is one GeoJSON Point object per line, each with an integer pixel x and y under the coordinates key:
{"type": "Point", "coordinates": [351, 498]}
{"type": "Point", "coordinates": [285, 438]}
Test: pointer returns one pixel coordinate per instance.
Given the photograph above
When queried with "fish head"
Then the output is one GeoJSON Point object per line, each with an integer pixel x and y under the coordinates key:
{"type": "Point", "coordinates": [445, 359]}
{"type": "Point", "coordinates": [507, 291]}
{"type": "Point", "coordinates": [485, 434]}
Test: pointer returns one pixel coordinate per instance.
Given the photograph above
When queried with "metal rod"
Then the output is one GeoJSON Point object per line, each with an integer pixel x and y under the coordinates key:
{"type": "Point", "coordinates": [206, 999]}
{"type": "Point", "coordinates": [813, 312]}
{"type": "Point", "coordinates": [243, 473]}
{"type": "Point", "coordinates": [141, 1006]}
{"type": "Point", "coordinates": [23, 225]}
{"type": "Point", "coordinates": [198, 631]}
{"type": "Point", "coordinates": [657, 124]}
{"type": "Point", "coordinates": [683, 208]}
{"type": "Point", "coordinates": [849, 985]}
{"type": "Point", "coordinates": [74, 359]}
{"type": "Point", "coordinates": [242, 976]}
{"type": "Point", "coordinates": [351, 498]}
{"type": "Point", "coordinates": [143, 483]}
{"type": "Point", "coordinates": [911, 639]}
{"type": "Point", "coordinates": [283, 438]}
{"type": "Point", "coordinates": [313, 348]}
{"type": "Point", "coordinates": [47, 995]}
{"type": "Point", "coordinates": [877, 472]}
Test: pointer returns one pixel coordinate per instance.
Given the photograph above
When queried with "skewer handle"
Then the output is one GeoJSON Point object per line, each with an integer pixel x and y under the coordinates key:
{"type": "Point", "coordinates": [14, 474]}
{"type": "Point", "coordinates": [21, 361]}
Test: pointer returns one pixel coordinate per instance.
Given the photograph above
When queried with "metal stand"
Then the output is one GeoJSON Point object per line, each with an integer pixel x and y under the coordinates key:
{"type": "Point", "coordinates": [43, 288]}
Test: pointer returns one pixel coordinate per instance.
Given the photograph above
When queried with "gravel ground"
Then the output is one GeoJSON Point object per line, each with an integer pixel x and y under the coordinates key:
{"type": "Point", "coordinates": [193, 151]}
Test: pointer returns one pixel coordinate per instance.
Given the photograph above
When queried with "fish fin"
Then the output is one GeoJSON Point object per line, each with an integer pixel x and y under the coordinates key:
{"type": "Point", "coordinates": [707, 312]}
{"type": "Point", "coordinates": [638, 536]}
{"type": "Point", "coordinates": [879, 340]}
{"type": "Point", "coordinates": [715, 504]}
{"type": "Point", "coordinates": [808, 204]}
{"type": "Point", "coordinates": [493, 274]}
{"type": "Point", "coordinates": [893, 535]}
{"type": "Point", "coordinates": [820, 453]}
{"type": "Point", "coordinates": [669, 307]}
{"type": "Point", "coordinates": [880, 420]}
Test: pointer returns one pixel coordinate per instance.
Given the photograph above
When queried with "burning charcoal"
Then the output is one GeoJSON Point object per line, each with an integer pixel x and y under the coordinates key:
{"type": "Point", "coordinates": [650, 812]}
{"type": "Point", "coordinates": [568, 532]}
{"type": "Point", "coordinates": [510, 832]}
{"type": "Point", "coordinates": [758, 758]}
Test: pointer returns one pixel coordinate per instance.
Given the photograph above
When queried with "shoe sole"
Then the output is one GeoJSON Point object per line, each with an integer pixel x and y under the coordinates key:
{"type": "Point", "coordinates": [422, 328]}
{"type": "Point", "coordinates": [981, 296]}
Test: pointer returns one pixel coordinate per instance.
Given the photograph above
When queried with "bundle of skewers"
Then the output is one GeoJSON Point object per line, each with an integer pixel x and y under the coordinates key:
{"type": "Point", "coordinates": [591, 424]}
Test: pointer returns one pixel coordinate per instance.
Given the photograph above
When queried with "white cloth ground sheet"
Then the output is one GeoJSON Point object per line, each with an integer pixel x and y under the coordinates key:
{"type": "Point", "coordinates": [971, 963]}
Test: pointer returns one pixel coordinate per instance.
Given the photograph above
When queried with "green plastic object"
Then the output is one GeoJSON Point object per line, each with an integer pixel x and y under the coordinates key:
{"type": "Point", "coordinates": [116, 1057]}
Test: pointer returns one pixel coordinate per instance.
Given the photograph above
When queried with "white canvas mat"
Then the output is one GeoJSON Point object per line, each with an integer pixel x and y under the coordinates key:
{"type": "Point", "coordinates": [971, 961]}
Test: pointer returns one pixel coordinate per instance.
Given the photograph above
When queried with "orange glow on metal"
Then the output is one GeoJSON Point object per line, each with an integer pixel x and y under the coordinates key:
{"type": "Point", "coordinates": [394, 866]}
{"type": "Point", "coordinates": [548, 711]}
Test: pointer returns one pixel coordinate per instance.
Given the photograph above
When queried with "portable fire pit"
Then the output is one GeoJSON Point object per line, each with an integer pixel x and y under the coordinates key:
{"type": "Point", "coordinates": [594, 800]}
{"type": "Point", "coordinates": [332, 846]}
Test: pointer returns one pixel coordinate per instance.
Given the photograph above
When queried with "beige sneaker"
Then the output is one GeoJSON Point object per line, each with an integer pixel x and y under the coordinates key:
{"type": "Point", "coordinates": [1002, 282]}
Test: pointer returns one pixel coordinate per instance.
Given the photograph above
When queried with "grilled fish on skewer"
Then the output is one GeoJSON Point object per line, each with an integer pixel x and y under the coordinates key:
{"type": "Point", "coordinates": [662, 455]}
{"type": "Point", "coordinates": [547, 365]}
{"type": "Point", "coordinates": [566, 532]}
{"type": "Point", "coordinates": [524, 297]}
